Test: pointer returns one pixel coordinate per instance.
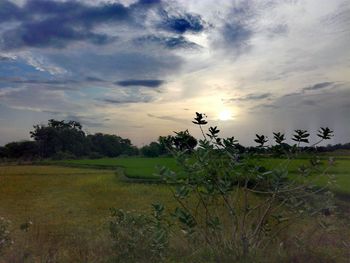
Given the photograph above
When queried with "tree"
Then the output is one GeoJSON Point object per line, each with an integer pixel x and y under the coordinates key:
{"type": "Point", "coordinates": [60, 136]}
{"type": "Point", "coordinates": [151, 150]}
{"type": "Point", "coordinates": [111, 145]}
{"type": "Point", "coordinates": [22, 149]}
{"type": "Point", "coordinates": [182, 141]}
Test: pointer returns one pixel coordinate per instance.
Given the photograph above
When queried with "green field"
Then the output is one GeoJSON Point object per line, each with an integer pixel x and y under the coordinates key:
{"type": "Point", "coordinates": [146, 168]}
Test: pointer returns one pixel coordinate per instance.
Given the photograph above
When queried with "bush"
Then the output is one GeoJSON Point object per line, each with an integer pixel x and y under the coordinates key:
{"type": "Point", "coordinates": [64, 156]}
{"type": "Point", "coordinates": [139, 237]}
{"type": "Point", "coordinates": [229, 205]}
{"type": "Point", "coordinates": [5, 239]}
{"type": "Point", "coordinates": [151, 150]}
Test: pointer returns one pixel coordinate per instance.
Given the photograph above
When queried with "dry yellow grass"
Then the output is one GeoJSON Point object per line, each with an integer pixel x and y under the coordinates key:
{"type": "Point", "coordinates": [67, 205]}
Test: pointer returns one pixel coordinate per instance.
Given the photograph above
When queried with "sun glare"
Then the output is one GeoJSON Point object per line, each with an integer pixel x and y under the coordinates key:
{"type": "Point", "coordinates": [225, 115]}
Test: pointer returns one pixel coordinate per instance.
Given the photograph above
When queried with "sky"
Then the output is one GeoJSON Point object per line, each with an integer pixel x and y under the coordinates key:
{"type": "Point", "coordinates": [142, 68]}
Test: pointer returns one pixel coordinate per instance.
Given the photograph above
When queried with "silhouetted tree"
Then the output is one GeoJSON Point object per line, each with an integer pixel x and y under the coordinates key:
{"type": "Point", "coordinates": [22, 149]}
{"type": "Point", "coordinates": [111, 145]}
{"type": "Point", "coordinates": [152, 150]}
{"type": "Point", "coordinates": [60, 136]}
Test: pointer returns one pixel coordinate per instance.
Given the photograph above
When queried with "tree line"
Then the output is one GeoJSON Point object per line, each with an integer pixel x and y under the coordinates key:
{"type": "Point", "coordinates": [67, 140]}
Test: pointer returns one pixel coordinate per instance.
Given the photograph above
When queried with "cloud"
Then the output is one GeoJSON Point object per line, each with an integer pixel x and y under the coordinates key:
{"type": "Point", "coordinates": [171, 42]}
{"type": "Point", "coordinates": [61, 23]}
{"type": "Point", "coordinates": [300, 100]}
{"type": "Point", "coordinates": [9, 11]}
{"type": "Point", "coordinates": [127, 100]}
{"type": "Point", "coordinates": [43, 100]}
{"type": "Point", "coordinates": [41, 63]}
{"type": "Point", "coordinates": [55, 24]}
{"type": "Point", "coordinates": [150, 83]}
{"type": "Point", "coordinates": [6, 57]}
{"type": "Point", "coordinates": [278, 30]}
{"type": "Point", "coordinates": [49, 33]}
{"type": "Point", "coordinates": [118, 64]}
{"type": "Point", "coordinates": [169, 118]}
{"type": "Point", "coordinates": [86, 120]}
{"type": "Point", "coordinates": [253, 97]}
{"type": "Point", "coordinates": [237, 29]}
{"type": "Point", "coordinates": [317, 86]}
{"type": "Point", "coordinates": [38, 81]}
{"type": "Point", "coordinates": [236, 34]}
{"type": "Point", "coordinates": [182, 23]}
{"type": "Point", "coordinates": [94, 79]}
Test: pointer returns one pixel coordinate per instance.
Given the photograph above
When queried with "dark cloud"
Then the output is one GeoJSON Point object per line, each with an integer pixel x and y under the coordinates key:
{"type": "Point", "coordinates": [151, 83]}
{"type": "Point", "coordinates": [9, 11]}
{"type": "Point", "coordinates": [94, 79]}
{"type": "Point", "coordinates": [55, 24]}
{"type": "Point", "coordinates": [77, 13]}
{"type": "Point", "coordinates": [236, 34]}
{"type": "Point", "coordinates": [182, 23]}
{"type": "Point", "coordinates": [49, 33]}
{"type": "Point", "coordinates": [253, 97]}
{"type": "Point", "coordinates": [60, 23]}
{"type": "Point", "coordinates": [44, 23]}
{"type": "Point", "coordinates": [174, 42]}
{"type": "Point", "coordinates": [318, 86]}
{"type": "Point", "coordinates": [237, 28]}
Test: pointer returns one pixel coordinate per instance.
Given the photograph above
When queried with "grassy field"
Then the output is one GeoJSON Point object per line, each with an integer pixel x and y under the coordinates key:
{"type": "Point", "coordinates": [66, 206]}
{"type": "Point", "coordinates": [136, 167]}
{"type": "Point", "coordinates": [69, 208]}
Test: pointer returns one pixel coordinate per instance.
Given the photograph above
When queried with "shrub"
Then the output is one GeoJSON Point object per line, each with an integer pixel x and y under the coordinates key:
{"type": "Point", "coordinates": [5, 239]}
{"type": "Point", "coordinates": [137, 237]}
{"type": "Point", "coordinates": [63, 156]}
{"type": "Point", "coordinates": [229, 205]}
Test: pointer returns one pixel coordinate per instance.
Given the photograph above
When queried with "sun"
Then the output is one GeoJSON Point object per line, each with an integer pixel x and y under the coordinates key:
{"type": "Point", "coordinates": [225, 115]}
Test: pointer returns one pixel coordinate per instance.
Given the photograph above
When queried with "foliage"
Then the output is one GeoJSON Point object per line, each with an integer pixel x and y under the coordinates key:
{"type": "Point", "coordinates": [110, 145]}
{"type": "Point", "coordinates": [232, 203]}
{"type": "Point", "coordinates": [154, 149]}
{"type": "Point", "coordinates": [182, 141]}
{"type": "Point", "coordinates": [136, 236]}
{"type": "Point", "coordinates": [67, 140]}
{"type": "Point", "coordinates": [59, 136]}
{"type": "Point", "coordinates": [63, 156]}
{"type": "Point", "coordinates": [5, 239]}
{"type": "Point", "coordinates": [259, 203]}
{"type": "Point", "coordinates": [21, 149]}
